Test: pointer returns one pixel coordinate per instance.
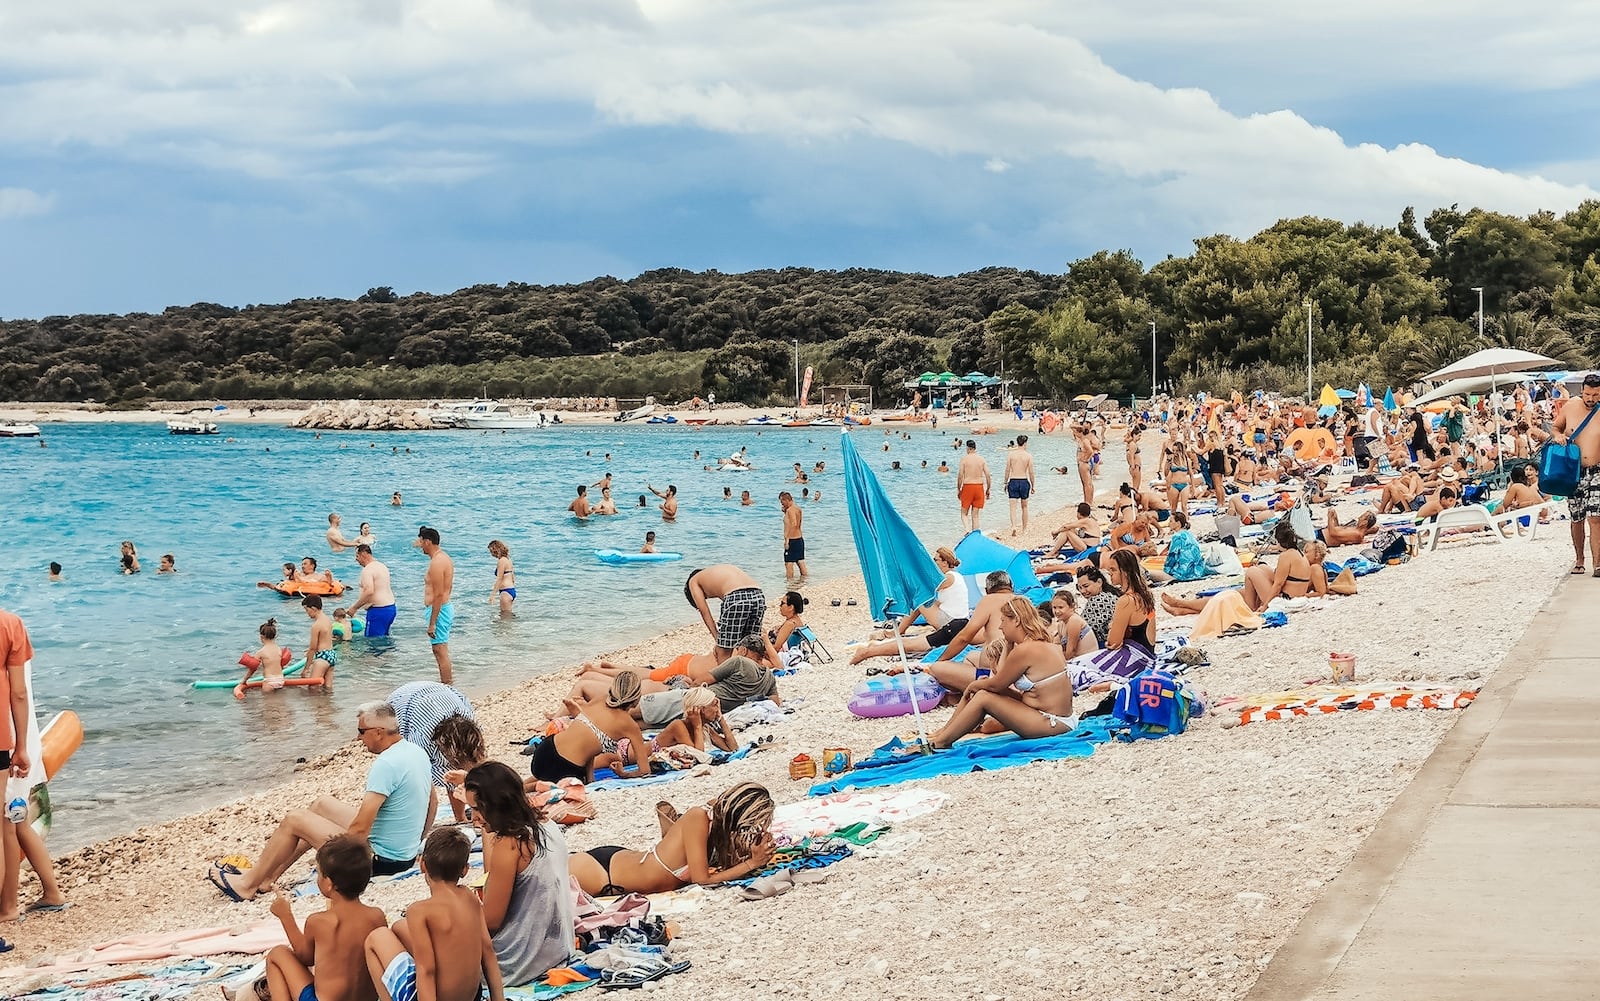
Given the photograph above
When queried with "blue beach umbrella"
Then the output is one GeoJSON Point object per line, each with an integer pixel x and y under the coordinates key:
{"type": "Point", "coordinates": [899, 573]}
{"type": "Point", "coordinates": [1388, 400]}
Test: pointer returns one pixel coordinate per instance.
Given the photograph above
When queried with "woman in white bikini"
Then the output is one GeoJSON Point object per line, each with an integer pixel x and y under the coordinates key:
{"type": "Point", "coordinates": [728, 838]}
{"type": "Point", "coordinates": [1029, 693]}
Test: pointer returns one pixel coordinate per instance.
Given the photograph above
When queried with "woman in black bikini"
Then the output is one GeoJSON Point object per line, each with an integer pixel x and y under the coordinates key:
{"type": "Point", "coordinates": [1290, 578]}
{"type": "Point", "coordinates": [728, 838]}
{"type": "Point", "coordinates": [594, 733]}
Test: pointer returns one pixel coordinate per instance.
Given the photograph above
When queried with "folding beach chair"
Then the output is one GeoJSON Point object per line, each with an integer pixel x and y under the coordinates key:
{"type": "Point", "coordinates": [804, 640]}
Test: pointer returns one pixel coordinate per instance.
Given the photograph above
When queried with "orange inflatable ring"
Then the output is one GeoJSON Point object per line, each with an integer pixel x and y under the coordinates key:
{"type": "Point", "coordinates": [299, 588]}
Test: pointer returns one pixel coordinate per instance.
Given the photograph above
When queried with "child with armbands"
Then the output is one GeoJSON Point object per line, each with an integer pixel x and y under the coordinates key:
{"type": "Point", "coordinates": [269, 660]}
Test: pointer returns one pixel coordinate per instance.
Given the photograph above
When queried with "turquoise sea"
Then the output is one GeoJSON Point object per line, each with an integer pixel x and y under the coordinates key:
{"type": "Point", "coordinates": [122, 651]}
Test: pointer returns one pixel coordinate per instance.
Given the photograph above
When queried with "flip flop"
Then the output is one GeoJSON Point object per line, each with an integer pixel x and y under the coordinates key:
{"type": "Point", "coordinates": [638, 976]}
{"type": "Point", "coordinates": [1597, 571]}
{"type": "Point", "coordinates": [1579, 570]}
{"type": "Point", "coordinates": [40, 907]}
{"type": "Point", "coordinates": [218, 875]}
{"type": "Point", "coordinates": [5, 946]}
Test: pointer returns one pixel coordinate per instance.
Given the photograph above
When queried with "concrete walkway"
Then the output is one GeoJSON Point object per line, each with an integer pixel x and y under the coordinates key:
{"type": "Point", "coordinates": [1483, 879]}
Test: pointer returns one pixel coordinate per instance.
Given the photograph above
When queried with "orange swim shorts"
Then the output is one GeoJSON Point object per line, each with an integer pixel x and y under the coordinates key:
{"type": "Point", "coordinates": [971, 495]}
{"type": "Point", "coordinates": [679, 665]}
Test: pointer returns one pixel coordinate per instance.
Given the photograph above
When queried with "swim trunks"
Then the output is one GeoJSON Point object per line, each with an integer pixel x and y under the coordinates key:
{"type": "Point", "coordinates": [945, 633]}
{"type": "Point", "coordinates": [658, 709]}
{"type": "Point", "coordinates": [678, 667]}
{"type": "Point", "coordinates": [308, 993]}
{"type": "Point", "coordinates": [379, 619]}
{"type": "Point", "coordinates": [1584, 501]}
{"type": "Point", "coordinates": [1018, 489]}
{"type": "Point", "coordinates": [388, 867]}
{"type": "Point", "coordinates": [327, 657]}
{"type": "Point", "coordinates": [971, 495]}
{"type": "Point", "coordinates": [794, 550]}
{"type": "Point", "coordinates": [740, 616]}
{"type": "Point", "coordinates": [400, 977]}
{"type": "Point", "coordinates": [441, 627]}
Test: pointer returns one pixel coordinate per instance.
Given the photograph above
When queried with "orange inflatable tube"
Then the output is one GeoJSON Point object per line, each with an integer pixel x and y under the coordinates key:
{"type": "Point", "coordinates": [60, 738]}
{"type": "Point", "coordinates": [288, 683]}
{"type": "Point", "coordinates": [300, 588]}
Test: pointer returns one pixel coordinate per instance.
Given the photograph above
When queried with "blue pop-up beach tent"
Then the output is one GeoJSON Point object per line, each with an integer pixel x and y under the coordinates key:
{"type": "Point", "coordinates": [981, 555]}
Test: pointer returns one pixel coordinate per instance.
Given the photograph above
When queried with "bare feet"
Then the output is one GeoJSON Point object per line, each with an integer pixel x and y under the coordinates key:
{"type": "Point", "coordinates": [668, 815]}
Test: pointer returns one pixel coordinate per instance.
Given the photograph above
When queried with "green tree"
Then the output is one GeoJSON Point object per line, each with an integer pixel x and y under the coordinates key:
{"type": "Point", "coordinates": [1073, 355]}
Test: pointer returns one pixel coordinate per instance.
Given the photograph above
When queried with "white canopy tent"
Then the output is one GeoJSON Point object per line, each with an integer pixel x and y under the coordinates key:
{"type": "Point", "coordinates": [1472, 386]}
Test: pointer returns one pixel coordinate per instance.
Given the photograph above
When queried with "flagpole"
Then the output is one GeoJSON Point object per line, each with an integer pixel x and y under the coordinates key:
{"type": "Point", "coordinates": [907, 672]}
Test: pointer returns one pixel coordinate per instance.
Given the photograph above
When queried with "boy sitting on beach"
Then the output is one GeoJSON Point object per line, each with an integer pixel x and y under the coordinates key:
{"type": "Point", "coordinates": [441, 949]}
{"type": "Point", "coordinates": [334, 939]}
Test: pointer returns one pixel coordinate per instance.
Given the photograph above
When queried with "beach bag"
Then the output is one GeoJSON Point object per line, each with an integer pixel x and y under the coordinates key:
{"type": "Point", "coordinates": [1345, 583]}
{"type": "Point", "coordinates": [1222, 559]}
{"type": "Point", "coordinates": [1229, 529]}
{"type": "Point", "coordinates": [1561, 465]}
{"type": "Point", "coordinates": [1300, 518]}
{"type": "Point", "coordinates": [1153, 704]}
{"type": "Point", "coordinates": [1386, 545]}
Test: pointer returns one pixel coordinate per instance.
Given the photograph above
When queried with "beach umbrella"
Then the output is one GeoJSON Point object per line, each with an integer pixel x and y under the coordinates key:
{"type": "Point", "coordinates": [1363, 396]}
{"type": "Point", "coordinates": [981, 555]}
{"type": "Point", "coordinates": [948, 377]}
{"type": "Point", "coordinates": [1329, 397]}
{"type": "Point", "coordinates": [1388, 400]}
{"type": "Point", "coordinates": [899, 573]}
{"type": "Point", "coordinates": [1345, 394]}
{"type": "Point", "coordinates": [1492, 362]}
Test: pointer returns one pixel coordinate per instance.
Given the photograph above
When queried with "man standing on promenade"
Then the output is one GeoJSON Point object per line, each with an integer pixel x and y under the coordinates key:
{"type": "Point", "coordinates": [973, 485]}
{"type": "Point", "coordinates": [794, 543]}
{"type": "Point", "coordinates": [376, 593]}
{"type": "Point", "coordinates": [1019, 481]}
{"type": "Point", "coordinates": [1573, 419]}
{"type": "Point", "coordinates": [393, 816]}
{"type": "Point", "coordinates": [436, 587]}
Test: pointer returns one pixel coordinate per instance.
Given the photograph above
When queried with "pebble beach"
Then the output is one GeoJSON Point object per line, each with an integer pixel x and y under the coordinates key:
{"type": "Point", "coordinates": [1169, 867]}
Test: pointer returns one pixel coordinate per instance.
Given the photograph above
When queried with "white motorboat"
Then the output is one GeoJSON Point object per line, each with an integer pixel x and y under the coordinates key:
{"type": "Point", "coordinates": [637, 413]}
{"type": "Point", "coordinates": [188, 425]}
{"type": "Point", "coordinates": [18, 429]}
{"type": "Point", "coordinates": [448, 415]}
{"type": "Point", "coordinates": [492, 415]}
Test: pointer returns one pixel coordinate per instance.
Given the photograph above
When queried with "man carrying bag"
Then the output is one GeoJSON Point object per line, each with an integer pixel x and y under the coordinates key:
{"type": "Point", "coordinates": [1569, 463]}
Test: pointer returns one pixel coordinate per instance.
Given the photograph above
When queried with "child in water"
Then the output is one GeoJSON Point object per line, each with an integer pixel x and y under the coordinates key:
{"type": "Point", "coordinates": [268, 660]}
{"type": "Point", "coordinates": [649, 543]}
{"type": "Point", "coordinates": [342, 630]}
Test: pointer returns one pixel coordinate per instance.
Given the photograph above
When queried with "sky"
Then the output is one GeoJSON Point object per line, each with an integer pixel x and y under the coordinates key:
{"type": "Point", "coordinates": [167, 152]}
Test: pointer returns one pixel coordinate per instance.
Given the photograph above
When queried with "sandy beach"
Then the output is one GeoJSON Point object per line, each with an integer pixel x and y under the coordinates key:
{"type": "Point", "coordinates": [1171, 867]}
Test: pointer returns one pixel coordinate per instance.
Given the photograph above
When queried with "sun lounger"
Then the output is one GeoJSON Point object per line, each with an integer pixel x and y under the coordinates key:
{"type": "Point", "coordinates": [1459, 520]}
{"type": "Point", "coordinates": [1509, 523]}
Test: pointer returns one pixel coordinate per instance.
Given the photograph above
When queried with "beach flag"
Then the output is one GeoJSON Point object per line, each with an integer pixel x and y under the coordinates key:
{"type": "Point", "coordinates": [1388, 400]}
{"type": "Point", "coordinates": [1363, 396]}
{"type": "Point", "coordinates": [1329, 398]}
{"type": "Point", "coordinates": [805, 388]}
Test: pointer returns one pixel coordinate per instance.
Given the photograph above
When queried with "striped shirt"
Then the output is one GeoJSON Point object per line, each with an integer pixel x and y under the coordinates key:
{"type": "Point", "coordinates": [421, 706]}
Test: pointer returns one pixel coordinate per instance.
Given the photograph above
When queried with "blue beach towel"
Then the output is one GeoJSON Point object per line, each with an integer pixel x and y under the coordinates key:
{"type": "Point", "coordinates": [974, 755]}
{"type": "Point", "coordinates": [1184, 559]}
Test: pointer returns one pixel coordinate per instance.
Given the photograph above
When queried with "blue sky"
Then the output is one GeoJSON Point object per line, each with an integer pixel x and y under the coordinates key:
{"type": "Point", "coordinates": [177, 151]}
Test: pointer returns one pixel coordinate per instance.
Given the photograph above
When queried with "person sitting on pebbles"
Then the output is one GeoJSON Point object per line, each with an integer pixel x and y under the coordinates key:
{"type": "Point", "coordinates": [1030, 691]}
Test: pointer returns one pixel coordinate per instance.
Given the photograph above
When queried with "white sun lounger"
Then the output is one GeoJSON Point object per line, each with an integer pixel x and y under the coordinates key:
{"type": "Point", "coordinates": [1502, 527]}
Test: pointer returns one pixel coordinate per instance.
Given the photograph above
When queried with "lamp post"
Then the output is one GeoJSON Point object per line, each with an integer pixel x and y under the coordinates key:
{"type": "Point", "coordinates": [1479, 289]}
{"type": "Point", "coordinates": [1152, 359]}
{"type": "Point", "coordinates": [1308, 352]}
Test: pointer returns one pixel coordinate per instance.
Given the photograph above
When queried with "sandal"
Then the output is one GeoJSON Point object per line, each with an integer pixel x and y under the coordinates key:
{"type": "Point", "coordinates": [1579, 570]}
{"type": "Point", "coordinates": [218, 875]}
{"type": "Point", "coordinates": [638, 976]}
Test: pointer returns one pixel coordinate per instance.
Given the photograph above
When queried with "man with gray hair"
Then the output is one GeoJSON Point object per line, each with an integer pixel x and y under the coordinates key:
{"type": "Point", "coordinates": [393, 816]}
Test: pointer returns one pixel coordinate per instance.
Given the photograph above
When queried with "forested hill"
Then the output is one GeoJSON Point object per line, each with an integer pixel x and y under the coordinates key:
{"type": "Point", "coordinates": [1386, 304]}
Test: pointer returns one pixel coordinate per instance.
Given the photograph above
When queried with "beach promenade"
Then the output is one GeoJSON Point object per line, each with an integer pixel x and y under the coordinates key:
{"type": "Point", "coordinates": [1479, 880]}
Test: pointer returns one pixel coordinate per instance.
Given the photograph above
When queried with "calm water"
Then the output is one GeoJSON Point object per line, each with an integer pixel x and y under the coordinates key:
{"type": "Point", "coordinates": [121, 651]}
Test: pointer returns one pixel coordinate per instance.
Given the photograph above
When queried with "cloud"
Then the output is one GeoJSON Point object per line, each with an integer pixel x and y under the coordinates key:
{"type": "Point", "coordinates": [19, 203]}
{"type": "Point", "coordinates": [995, 165]}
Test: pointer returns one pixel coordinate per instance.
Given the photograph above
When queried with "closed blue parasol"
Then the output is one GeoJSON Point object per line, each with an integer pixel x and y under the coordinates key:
{"type": "Point", "coordinates": [899, 573]}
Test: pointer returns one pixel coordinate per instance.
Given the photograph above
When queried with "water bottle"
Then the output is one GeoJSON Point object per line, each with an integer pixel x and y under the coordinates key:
{"type": "Point", "coordinates": [17, 810]}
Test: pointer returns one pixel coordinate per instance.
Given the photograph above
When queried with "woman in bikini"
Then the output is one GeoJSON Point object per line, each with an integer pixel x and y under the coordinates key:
{"type": "Point", "coordinates": [526, 902]}
{"type": "Point", "coordinates": [1135, 463]}
{"type": "Point", "coordinates": [728, 838]}
{"type": "Point", "coordinates": [1176, 469]}
{"type": "Point", "coordinates": [593, 737]}
{"type": "Point", "coordinates": [1030, 691]}
{"type": "Point", "coordinates": [1292, 578]}
{"type": "Point", "coordinates": [505, 577]}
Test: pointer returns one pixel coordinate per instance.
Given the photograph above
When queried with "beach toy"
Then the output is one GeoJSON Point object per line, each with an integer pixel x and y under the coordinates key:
{"type": "Point", "coordinates": [877, 698]}
{"type": "Point", "coordinates": [802, 767]}
{"type": "Point", "coordinates": [836, 760]}
{"type": "Point", "coordinates": [617, 558]}
{"type": "Point", "coordinates": [248, 659]}
{"type": "Point", "coordinates": [288, 672]}
{"type": "Point", "coordinates": [59, 740]}
{"type": "Point", "coordinates": [300, 588]}
{"type": "Point", "coordinates": [1342, 666]}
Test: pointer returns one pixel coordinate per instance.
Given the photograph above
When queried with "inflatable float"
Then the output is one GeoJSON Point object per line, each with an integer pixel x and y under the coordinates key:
{"type": "Point", "coordinates": [288, 672]}
{"type": "Point", "coordinates": [301, 588]}
{"type": "Point", "coordinates": [617, 558]}
{"type": "Point", "coordinates": [876, 698]}
{"type": "Point", "coordinates": [60, 739]}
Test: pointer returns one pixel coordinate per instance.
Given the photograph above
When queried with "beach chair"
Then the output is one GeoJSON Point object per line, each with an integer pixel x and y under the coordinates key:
{"type": "Point", "coordinates": [1508, 523]}
{"type": "Point", "coordinates": [811, 648]}
{"type": "Point", "coordinates": [1431, 532]}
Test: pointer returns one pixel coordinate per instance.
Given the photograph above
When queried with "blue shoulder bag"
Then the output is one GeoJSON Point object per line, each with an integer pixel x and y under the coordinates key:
{"type": "Point", "coordinates": [1560, 466]}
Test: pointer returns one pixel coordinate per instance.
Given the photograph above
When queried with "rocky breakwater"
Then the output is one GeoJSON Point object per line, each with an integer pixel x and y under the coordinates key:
{"type": "Point", "coordinates": [352, 415]}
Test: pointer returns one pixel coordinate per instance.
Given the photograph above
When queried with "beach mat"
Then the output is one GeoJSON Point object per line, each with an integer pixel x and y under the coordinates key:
{"type": "Point", "coordinates": [975, 754]}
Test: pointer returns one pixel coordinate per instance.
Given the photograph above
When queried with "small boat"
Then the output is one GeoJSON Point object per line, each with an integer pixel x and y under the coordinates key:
{"type": "Point", "coordinates": [659, 419]}
{"type": "Point", "coordinates": [17, 429]}
{"type": "Point", "coordinates": [763, 421]}
{"type": "Point", "coordinates": [188, 425]}
{"type": "Point", "coordinates": [822, 422]}
{"type": "Point", "coordinates": [637, 413]}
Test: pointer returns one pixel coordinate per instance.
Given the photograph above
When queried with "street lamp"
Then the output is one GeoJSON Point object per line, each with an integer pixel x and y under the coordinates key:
{"type": "Point", "coordinates": [1479, 289]}
{"type": "Point", "coordinates": [1308, 351]}
{"type": "Point", "coordinates": [797, 375]}
{"type": "Point", "coordinates": [1152, 359]}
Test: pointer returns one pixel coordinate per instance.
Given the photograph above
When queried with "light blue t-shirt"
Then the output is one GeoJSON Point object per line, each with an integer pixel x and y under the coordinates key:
{"type": "Point", "coordinates": [404, 778]}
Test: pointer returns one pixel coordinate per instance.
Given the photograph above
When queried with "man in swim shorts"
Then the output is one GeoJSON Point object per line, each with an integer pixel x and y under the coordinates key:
{"type": "Point", "coordinates": [973, 485]}
{"type": "Point", "coordinates": [794, 543]}
{"type": "Point", "coordinates": [743, 606]}
{"type": "Point", "coordinates": [1019, 481]}
{"type": "Point", "coordinates": [376, 594]}
{"type": "Point", "coordinates": [320, 656]}
{"type": "Point", "coordinates": [437, 586]}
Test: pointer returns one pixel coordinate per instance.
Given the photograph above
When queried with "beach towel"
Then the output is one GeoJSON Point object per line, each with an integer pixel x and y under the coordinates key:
{"type": "Point", "coordinates": [1154, 705]}
{"type": "Point", "coordinates": [794, 822]}
{"type": "Point", "coordinates": [248, 940]}
{"type": "Point", "coordinates": [1318, 700]}
{"type": "Point", "coordinates": [1184, 560]}
{"type": "Point", "coordinates": [1223, 612]}
{"type": "Point", "coordinates": [978, 754]}
{"type": "Point", "coordinates": [177, 980]}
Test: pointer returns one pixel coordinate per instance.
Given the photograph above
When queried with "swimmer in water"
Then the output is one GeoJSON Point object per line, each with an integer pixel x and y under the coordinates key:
{"type": "Point", "coordinates": [649, 543]}
{"type": "Point", "coordinates": [669, 501]}
{"type": "Point", "coordinates": [269, 661]}
{"type": "Point", "coordinates": [55, 571]}
{"type": "Point", "coordinates": [505, 576]}
{"type": "Point", "coordinates": [169, 564]}
{"type": "Point", "coordinates": [394, 499]}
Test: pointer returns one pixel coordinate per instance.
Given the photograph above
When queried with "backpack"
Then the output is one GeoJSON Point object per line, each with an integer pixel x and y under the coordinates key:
{"type": "Point", "coordinates": [1154, 704]}
{"type": "Point", "coordinates": [1386, 545]}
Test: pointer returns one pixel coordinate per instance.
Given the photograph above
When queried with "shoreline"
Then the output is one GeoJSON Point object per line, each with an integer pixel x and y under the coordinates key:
{"type": "Point", "coordinates": [1241, 826]}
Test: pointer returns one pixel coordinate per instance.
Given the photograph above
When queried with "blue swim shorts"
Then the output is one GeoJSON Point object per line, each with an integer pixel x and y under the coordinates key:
{"type": "Point", "coordinates": [441, 628]}
{"type": "Point", "coordinates": [400, 976]}
{"type": "Point", "coordinates": [379, 619]}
